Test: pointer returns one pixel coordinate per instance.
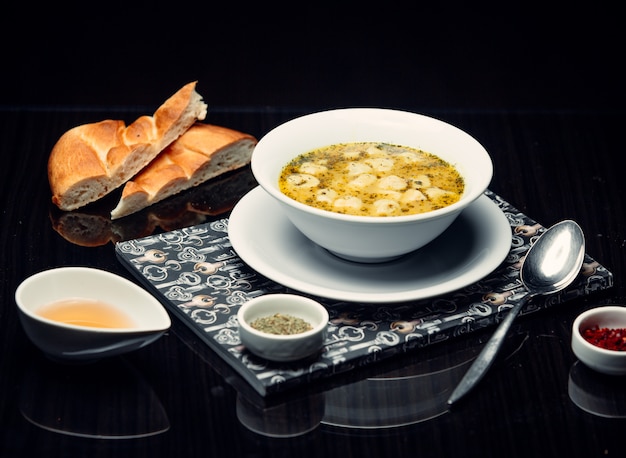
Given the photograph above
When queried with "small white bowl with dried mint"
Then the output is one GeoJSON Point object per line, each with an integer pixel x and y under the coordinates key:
{"type": "Point", "coordinates": [283, 327]}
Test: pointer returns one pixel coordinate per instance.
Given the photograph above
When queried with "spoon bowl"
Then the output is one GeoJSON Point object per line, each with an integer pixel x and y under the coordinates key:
{"type": "Point", "coordinates": [555, 259]}
{"type": "Point", "coordinates": [550, 265]}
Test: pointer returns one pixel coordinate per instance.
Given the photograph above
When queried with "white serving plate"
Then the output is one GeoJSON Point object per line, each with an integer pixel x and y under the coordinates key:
{"type": "Point", "coordinates": [473, 247]}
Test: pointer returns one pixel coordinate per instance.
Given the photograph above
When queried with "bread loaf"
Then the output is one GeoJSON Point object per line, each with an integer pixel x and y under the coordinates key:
{"type": "Point", "coordinates": [91, 160]}
{"type": "Point", "coordinates": [201, 153]}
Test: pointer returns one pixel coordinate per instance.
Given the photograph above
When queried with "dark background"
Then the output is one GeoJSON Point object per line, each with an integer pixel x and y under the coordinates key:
{"type": "Point", "coordinates": [422, 56]}
{"type": "Point", "coordinates": [515, 75]}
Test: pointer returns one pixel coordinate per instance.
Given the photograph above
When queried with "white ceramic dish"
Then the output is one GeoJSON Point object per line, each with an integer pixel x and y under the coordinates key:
{"type": "Point", "coordinates": [475, 245]}
{"type": "Point", "coordinates": [611, 362]}
{"type": "Point", "coordinates": [63, 341]}
{"type": "Point", "coordinates": [370, 238]}
{"type": "Point", "coordinates": [278, 347]}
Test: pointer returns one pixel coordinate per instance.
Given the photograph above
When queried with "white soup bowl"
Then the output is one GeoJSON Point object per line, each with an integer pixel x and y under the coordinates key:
{"type": "Point", "coordinates": [370, 238]}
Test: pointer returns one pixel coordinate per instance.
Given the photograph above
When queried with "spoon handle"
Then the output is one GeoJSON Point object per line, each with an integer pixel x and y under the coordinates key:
{"type": "Point", "coordinates": [486, 357]}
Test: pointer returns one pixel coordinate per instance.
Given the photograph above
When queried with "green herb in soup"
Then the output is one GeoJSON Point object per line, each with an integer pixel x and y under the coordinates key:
{"type": "Point", "coordinates": [371, 179]}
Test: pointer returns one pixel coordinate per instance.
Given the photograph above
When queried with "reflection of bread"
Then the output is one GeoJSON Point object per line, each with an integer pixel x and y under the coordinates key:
{"type": "Point", "coordinates": [93, 226]}
{"type": "Point", "coordinates": [91, 160]}
{"type": "Point", "coordinates": [203, 152]}
{"type": "Point", "coordinates": [83, 229]}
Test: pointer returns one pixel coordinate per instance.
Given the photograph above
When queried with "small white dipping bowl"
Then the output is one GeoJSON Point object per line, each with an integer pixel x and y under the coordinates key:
{"type": "Point", "coordinates": [370, 238]}
{"type": "Point", "coordinates": [61, 341]}
{"type": "Point", "coordinates": [279, 347]}
{"type": "Point", "coordinates": [611, 362]}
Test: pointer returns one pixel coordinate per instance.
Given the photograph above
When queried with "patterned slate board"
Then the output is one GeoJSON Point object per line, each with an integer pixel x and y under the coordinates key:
{"type": "Point", "coordinates": [198, 276]}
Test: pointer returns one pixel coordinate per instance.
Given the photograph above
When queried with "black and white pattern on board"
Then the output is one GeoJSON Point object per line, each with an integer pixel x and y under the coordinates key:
{"type": "Point", "coordinates": [198, 276]}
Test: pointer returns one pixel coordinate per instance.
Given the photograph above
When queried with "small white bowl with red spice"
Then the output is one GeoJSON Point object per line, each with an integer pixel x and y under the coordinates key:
{"type": "Point", "coordinates": [599, 339]}
{"type": "Point", "coordinates": [282, 327]}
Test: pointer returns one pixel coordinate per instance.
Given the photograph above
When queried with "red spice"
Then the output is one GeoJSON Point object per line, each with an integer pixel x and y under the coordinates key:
{"type": "Point", "coordinates": [608, 338]}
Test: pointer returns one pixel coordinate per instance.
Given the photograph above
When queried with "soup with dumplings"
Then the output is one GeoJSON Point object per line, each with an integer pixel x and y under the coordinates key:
{"type": "Point", "coordinates": [371, 179]}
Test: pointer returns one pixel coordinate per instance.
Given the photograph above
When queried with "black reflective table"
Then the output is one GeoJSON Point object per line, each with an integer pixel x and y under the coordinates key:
{"type": "Point", "coordinates": [177, 398]}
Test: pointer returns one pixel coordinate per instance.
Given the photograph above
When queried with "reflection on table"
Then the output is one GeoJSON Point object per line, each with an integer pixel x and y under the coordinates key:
{"type": "Point", "coordinates": [108, 399]}
{"type": "Point", "coordinates": [596, 393]}
{"type": "Point", "coordinates": [92, 225]}
{"type": "Point", "coordinates": [391, 398]}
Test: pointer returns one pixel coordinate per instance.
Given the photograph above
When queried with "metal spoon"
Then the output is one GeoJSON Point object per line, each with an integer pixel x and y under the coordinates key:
{"type": "Point", "coordinates": [551, 264]}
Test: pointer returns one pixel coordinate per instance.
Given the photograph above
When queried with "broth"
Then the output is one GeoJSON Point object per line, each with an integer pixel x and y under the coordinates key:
{"type": "Point", "coordinates": [86, 312]}
{"type": "Point", "coordinates": [371, 179]}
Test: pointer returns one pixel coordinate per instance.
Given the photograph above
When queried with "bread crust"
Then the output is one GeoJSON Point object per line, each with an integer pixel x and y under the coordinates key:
{"type": "Point", "coordinates": [91, 160]}
{"type": "Point", "coordinates": [203, 152]}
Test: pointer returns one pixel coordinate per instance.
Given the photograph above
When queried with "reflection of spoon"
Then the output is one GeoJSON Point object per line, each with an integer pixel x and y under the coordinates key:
{"type": "Point", "coordinates": [551, 264]}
